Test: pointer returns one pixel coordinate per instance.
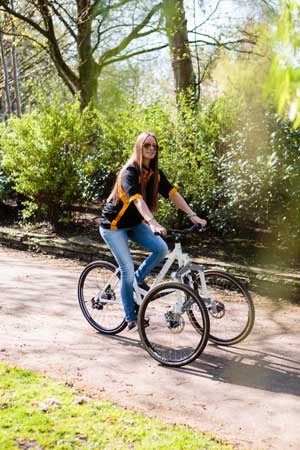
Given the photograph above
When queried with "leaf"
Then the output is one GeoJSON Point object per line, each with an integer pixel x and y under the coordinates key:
{"type": "Point", "coordinates": [81, 399]}
{"type": "Point", "coordinates": [53, 401]}
{"type": "Point", "coordinates": [44, 406]}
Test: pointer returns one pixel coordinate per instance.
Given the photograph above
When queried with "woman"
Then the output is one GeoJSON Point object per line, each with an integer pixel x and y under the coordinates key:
{"type": "Point", "coordinates": [134, 200]}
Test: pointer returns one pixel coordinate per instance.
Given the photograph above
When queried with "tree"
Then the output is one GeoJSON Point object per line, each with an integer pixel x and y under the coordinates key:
{"type": "Point", "coordinates": [193, 49]}
{"type": "Point", "coordinates": [181, 59]}
{"type": "Point", "coordinates": [97, 35]}
{"type": "Point", "coordinates": [83, 37]}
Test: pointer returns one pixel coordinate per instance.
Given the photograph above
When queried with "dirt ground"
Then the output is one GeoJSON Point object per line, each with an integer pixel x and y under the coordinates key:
{"type": "Point", "coordinates": [247, 394]}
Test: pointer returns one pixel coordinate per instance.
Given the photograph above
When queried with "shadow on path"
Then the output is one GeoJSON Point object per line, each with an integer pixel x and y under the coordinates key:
{"type": "Point", "coordinates": [239, 366]}
{"type": "Point", "coordinates": [252, 368]}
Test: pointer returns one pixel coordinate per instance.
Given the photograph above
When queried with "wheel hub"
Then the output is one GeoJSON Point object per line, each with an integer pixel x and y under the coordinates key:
{"type": "Point", "coordinates": [216, 310]}
{"type": "Point", "coordinates": [175, 322]}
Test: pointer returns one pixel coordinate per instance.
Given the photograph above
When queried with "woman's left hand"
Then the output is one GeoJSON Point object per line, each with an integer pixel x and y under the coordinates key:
{"type": "Point", "coordinates": [198, 221]}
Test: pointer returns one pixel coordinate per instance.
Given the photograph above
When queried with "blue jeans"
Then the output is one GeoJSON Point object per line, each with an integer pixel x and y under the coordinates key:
{"type": "Point", "coordinates": [117, 240]}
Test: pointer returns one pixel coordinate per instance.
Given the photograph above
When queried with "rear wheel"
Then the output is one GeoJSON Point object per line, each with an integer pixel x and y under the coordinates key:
{"type": "Point", "coordinates": [231, 312]}
{"type": "Point", "coordinates": [99, 297]}
{"type": "Point", "coordinates": [169, 336]}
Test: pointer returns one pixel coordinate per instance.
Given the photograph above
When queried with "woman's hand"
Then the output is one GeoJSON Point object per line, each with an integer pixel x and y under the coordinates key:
{"type": "Point", "coordinates": [198, 221]}
{"type": "Point", "coordinates": [157, 228]}
{"type": "Point", "coordinates": [148, 216]}
{"type": "Point", "coordinates": [180, 203]}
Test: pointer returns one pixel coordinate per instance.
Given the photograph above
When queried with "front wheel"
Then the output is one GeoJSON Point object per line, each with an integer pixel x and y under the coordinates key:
{"type": "Point", "coordinates": [99, 297]}
{"type": "Point", "coordinates": [165, 326]}
{"type": "Point", "coordinates": [231, 310]}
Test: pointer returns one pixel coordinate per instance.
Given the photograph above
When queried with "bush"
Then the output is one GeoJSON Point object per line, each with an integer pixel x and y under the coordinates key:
{"type": "Point", "coordinates": [47, 153]}
{"type": "Point", "coordinates": [262, 188]}
{"type": "Point", "coordinates": [237, 172]}
{"type": "Point", "coordinates": [5, 186]}
{"type": "Point", "coordinates": [191, 141]}
{"type": "Point", "coordinates": [195, 141]}
{"type": "Point", "coordinates": [234, 171]}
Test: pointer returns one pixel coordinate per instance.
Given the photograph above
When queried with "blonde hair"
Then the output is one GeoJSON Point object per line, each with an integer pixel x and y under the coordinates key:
{"type": "Point", "coordinates": [136, 159]}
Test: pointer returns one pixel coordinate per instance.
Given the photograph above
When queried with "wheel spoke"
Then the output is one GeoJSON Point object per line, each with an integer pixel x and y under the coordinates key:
{"type": "Point", "coordinates": [231, 310]}
{"type": "Point", "coordinates": [170, 337]}
{"type": "Point", "coordinates": [99, 297]}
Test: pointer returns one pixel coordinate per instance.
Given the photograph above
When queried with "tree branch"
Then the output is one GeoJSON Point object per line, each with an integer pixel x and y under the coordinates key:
{"type": "Point", "coordinates": [129, 55]}
{"type": "Point", "coordinates": [42, 6]}
{"type": "Point", "coordinates": [62, 19]}
{"type": "Point", "coordinates": [217, 42]}
{"type": "Point", "coordinates": [128, 39]}
{"type": "Point", "coordinates": [10, 33]}
{"type": "Point", "coordinates": [207, 18]}
{"type": "Point", "coordinates": [65, 11]}
{"type": "Point", "coordinates": [64, 70]}
{"type": "Point", "coordinates": [228, 46]}
{"type": "Point", "coordinates": [97, 10]}
{"type": "Point", "coordinates": [20, 16]}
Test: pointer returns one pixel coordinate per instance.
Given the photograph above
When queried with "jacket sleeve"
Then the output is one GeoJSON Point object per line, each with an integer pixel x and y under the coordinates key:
{"type": "Point", "coordinates": [165, 188]}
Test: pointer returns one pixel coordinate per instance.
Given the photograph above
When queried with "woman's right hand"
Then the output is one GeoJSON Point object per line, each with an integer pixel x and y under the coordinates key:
{"type": "Point", "coordinates": [157, 228]}
{"type": "Point", "coordinates": [143, 209]}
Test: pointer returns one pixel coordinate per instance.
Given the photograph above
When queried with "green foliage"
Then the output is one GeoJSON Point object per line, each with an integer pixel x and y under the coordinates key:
{"type": "Point", "coordinates": [46, 152]}
{"type": "Point", "coordinates": [243, 76]}
{"type": "Point", "coordinates": [262, 188]}
{"type": "Point", "coordinates": [190, 144]}
{"type": "Point", "coordinates": [6, 189]}
{"type": "Point", "coordinates": [5, 185]}
{"type": "Point", "coordinates": [258, 174]}
{"type": "Point", "coordinates": [194, 143]}
{"type": "Point", "coordinates": [232, 169]}
{"type": "Point", "coordinates": [233, 159]}
{"type": "Point", "coordinates": [284, 79]}
{"type": "Point", "coordinates": [118, 84]}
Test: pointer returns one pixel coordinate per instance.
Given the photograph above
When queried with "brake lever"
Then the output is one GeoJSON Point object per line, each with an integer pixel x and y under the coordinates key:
{"type": "Point", "coordinates": [202, 229]}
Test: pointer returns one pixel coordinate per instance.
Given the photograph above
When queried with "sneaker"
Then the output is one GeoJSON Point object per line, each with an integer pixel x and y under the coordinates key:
{"type": "Point", "coordinates": [132, 326]}
{"type": "Point", "coordinates": [144, 286]}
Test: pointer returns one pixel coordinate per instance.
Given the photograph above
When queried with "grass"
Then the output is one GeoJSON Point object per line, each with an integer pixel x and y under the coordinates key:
{"type": "Point", "coordinates": [39, 413]}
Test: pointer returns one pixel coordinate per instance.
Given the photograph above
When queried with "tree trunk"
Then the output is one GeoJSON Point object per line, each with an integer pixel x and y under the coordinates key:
{"type": "Point", "coordinates": [87, 68]}
{"type": "Point", "coordinates": [176, 28]}
{"type": "Point", "coordinates": [88, 76]}
{"type": "Point", "coordinates": [6, 77]}
{"type": "Point", "coordinates": [15, 69]}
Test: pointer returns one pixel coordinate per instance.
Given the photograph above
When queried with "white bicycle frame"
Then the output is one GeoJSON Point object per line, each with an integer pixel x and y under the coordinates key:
{"type": "Point", "coordinates": [185, 266]}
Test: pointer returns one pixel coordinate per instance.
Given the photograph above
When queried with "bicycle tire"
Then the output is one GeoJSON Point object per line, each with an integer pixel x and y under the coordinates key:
{"type": "Point", "coordinates": [235, 320]}
{"type": "Point", "coordinates": [102, 309]}
{"type": "Point", "coordinates": [167, 336]}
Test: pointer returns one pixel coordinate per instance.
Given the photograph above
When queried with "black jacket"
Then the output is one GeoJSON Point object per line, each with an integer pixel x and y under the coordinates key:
{"type": "Point", "coordinates": [125, 214]}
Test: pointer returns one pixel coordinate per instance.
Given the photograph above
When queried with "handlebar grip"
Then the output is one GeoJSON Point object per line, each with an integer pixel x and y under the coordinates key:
{"type": "Point", "coordinates": [177, 233]}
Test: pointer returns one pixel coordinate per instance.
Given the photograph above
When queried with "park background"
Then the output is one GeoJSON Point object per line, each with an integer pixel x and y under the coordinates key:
{"type": "Point", "coordinates": [217, 82]}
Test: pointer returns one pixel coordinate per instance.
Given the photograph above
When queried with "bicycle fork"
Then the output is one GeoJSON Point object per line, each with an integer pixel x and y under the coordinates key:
{"type": "Point", "coordinates": [185, 276]}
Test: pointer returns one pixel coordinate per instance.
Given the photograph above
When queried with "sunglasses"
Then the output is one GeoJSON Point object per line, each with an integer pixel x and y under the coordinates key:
{"type": "Point", "coordinates": [147, 146]}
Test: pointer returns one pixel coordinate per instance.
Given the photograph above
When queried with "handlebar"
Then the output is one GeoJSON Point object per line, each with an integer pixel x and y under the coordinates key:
{"type": "Point", "coordinates": [180, 233]}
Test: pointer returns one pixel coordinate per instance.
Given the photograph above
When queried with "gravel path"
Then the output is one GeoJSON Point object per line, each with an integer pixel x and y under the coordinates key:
{"type": "Point", "coordinates": [248, 394]}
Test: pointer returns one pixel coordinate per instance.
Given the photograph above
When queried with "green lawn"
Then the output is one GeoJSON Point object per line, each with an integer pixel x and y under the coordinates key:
{"type": "Point", "coordinates": [39, 413]}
